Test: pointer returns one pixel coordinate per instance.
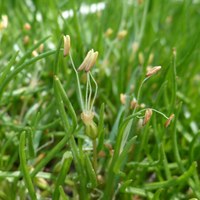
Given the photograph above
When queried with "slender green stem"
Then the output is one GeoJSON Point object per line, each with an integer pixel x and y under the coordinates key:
{"type": "Point", "coordinates": [94, 142]}
{"type": "Point", "coordinates": [160, 113]}
{"type": "Point", "coordinates": [175, 143]}
{"type": "Point", "coordinates": [139, 92]}
{"type": "Point", "coordinates": [174, 82]}
{"type": "Point", "coordinates": [90, 93]}
{"type": "Point", "coordinates": [96, 90]}
{"type": "Point", "coordinates": [78, 83]}
{"type": "Point", "coordinates": [86, 96]}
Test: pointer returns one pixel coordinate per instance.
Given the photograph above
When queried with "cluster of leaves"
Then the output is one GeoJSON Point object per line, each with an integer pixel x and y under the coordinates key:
{"type": "Point", "coordinates": [44, 150]}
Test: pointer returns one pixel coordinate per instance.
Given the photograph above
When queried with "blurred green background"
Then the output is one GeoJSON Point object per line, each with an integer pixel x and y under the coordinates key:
{"type": "Point", "coordinates": [129, 36]}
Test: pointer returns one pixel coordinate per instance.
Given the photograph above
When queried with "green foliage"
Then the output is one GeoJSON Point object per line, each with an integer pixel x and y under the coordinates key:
{"type": "Point", "coordinates": [45, 149]}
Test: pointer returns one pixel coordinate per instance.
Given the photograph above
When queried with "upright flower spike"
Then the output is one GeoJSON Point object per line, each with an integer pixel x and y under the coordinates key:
{"type": "Point", "coordinates": [66, 45]}
{"type": "Point", "coordinates": [152, 71]}
{"type": "Point", "coordinates": [89, 61]}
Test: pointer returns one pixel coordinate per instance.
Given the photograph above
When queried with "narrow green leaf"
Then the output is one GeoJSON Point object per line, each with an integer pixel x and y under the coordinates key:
{"type": "Point", "coordinates": [62, 193]}
{"type": "Point", "coordinates": [91, 173]}
{"type": "Point", "coordinates": [6, 70]}
{"type": "Point", "coordinates": [174, 181]}
{"type": "Point", "coordinates": [29, 52]}
{"type": "Point", "coordinates": [24, 168]}
{"type": "Point", "coordinates": [120, 160]}
{"type": "Point", "coordinates": [157, 194]}
{"type": "Point", "coordinates": [13, 73]}
{"type": "Point", "coordinates": [66, 101]}
{"type": "Point", "coordinates": [61, 108]}
{"type": "Point", "coordinates": [56, 68]}
{"type": "Point", "coordinates": [67, 159]}
{"type": "Point", "coordinates": [31, 149]}
{"type": "Point", "coordinates": [51, 154]}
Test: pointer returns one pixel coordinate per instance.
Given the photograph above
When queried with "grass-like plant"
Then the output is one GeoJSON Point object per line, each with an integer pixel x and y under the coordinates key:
{"type": "Point", "coordinates": [121, 122]}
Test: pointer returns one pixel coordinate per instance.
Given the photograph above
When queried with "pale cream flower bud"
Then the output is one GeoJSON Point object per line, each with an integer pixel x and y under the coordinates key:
{"type": "Point", "coordinates": [133, 104]}
{"type": "Point", "coordinates": [174, 51]}
{"type": "Point", "coordinates": [41, 183]}
{"type": "Point", "coordinates": [122, 34]}
{"type": "Point", "coordinates": [4, 22]}
{"type": "Point", "coordinates": [141, 58]}
{"type": "Point", "coordinates": [26, 39]}
{"type": "Point", "coordinates": [92, 62]}
{"type": "Point", "coordinates": [123, 98]}
{"type": "Point", "coordinates": [34, 53]}
{"type": "Point", "coordinates": [150, 59]}
{"type": "Point", "coordinates": [147, 116]}
{"type": "Point", "coordinates": [27, 27]}
{"type": "Point", "coordinates": [91, 127]}
{"type": "Point", "coordinates": [135, 47]}
{"type": "Point", "coordinates": [66, 45]}
{"type": "Point", "coordinates": [86, 60]}
{"type": "Point", "coordinates": [41, 48]}
{"type": "Point", "coordinates": [108, 32]}
{"type": "Point", "coordinates": [87, 117]}
{"type": "Point", "coordinates": [152, 70]}
{"type": "Point", "coordinates": [167, 123]}
{"type": "Point", "coordinates": [89, 61]}
{"type": "Point", "coordinates": [140, 2]}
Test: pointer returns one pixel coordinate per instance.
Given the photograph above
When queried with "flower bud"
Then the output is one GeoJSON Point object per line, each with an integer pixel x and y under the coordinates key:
{"type": "Point", "coordinates": [141, 58]}
{"type": "Point", "coordinates": [41, 48]}
{"type": "Point", "coordinates": [34, 53]}
{"type": "Point", "coordinates": [122, 34]}
{"type": "Point", "coordinates": [26, 39]}
{"type": "Point", "coordinates": [4, 22]}
{"type": "Point", "coordinates": [92, 62]}
{"type": "Point", "coordinates": [108, 32]}
{"type": "Point", "coordinates": [27, 26]}
{"type": "Point", "coordinates": [91, 127]}
{"type": "Point", "coordinates": [133, 104]}
{"type": "Point", "coordinates": [89, 61]}
{"type": "Point", "coordinates": [91, 130]}
{"type": "Point", "coordinates": [150, 59]}
{"type": "Point", "coordinates": [147, 116]}
{"type": "Point", "coordinates": [152, 71]}
{"type": "Point", "coordinates": [123, 99]}
{"type": "Point", "coordinates": [66, 45]}
{"type": "Point", "coordinates": [135, 47]}
{"type": "Point", "coordinates": [167, 123]}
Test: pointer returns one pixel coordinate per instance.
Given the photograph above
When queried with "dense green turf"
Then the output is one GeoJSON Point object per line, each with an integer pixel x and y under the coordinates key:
{"type": "Point", "coordinates": [48, 152]}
